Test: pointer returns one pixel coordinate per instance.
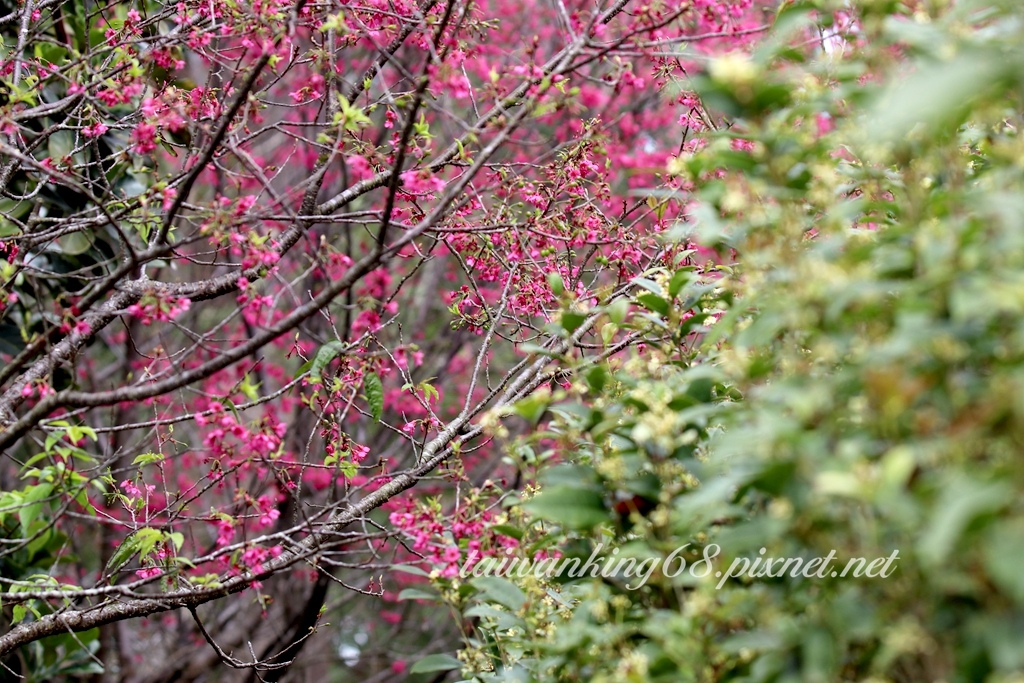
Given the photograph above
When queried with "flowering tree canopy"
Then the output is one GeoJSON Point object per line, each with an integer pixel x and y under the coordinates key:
{"type": "Point", "coordinates": [267, 266]}
{"type": "Point", "coordinates": [312, 314]}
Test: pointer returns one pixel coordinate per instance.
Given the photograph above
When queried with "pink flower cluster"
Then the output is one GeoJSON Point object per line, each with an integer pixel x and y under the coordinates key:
{"type": "Point", "coordinates": [148, 572]}
{"type": "Point", "coordinates": [143, 138]}
{"type": "Point", "coordinates": [255, 556]}
{"type": "Point", "coordinates": [166, 60]}
{"type": "Point", "coordinates": [7, 298]}
{"type": "Point", "coordinates": [312, 89]}
{"type": "Point", "coordinates": [232, 444]}
{"type": "Point", "coordinates": [253, 305]}
{"type": "Point", "coordinates": [8, 251]}
{"type": "Point", "coordinates": [30, 389]}
{"type": "Point", "coordinates": [468, 527]}
{"type": "Point", "coordinates": [121, 92]}
{"type": "Point", "coordinates": [130, 29]}
{"type": "Point", "coordinates": [225, 531]}
{"type": "Point", "coordinates": [267, 506]}
{"type": "Point", "coordinates": [254, 252]}
{"type": "Point", "coordinates": [340, 445]}
{"type": "Point", "coordinates": [421, 182]}
{"type": "Point", "coordinates": [153, 569]}
{"type": "Point", "coordinates": [404, 354]}
{"type": "Point", "coordinates": [95, 130]}
{"type": "Point", "coordinates": [154, 307]}
{"type": "Point", "coordinates": [158, 114]}
{"type": "Point", "coordinates": [449, 77]}
{"type": "Point", "coordinates": [133, 491]}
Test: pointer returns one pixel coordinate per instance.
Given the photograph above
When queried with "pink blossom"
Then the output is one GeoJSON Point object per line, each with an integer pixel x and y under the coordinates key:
{"type": "Point", "coordinates": [367, 321]}
{"type": "Point", "coordinates": [149, 107]}
{"type": "Point", "coordinates": [169, 194]}
{"type": "Point", "coordinates": [144, 138]}
{"type": "Point", "coordinates": [148, 572]}
{"type": "Point", "coordinates": [134, 491]}
{"type": "Point", "coordinates": [359, 453]}
{"type": "Point", "coordinates": [225, 532]}
{"type": "Point", "coordinates": [824, 124]}
{"type": "Point", "coordinates": [95, 130]}
{"type": "Point", "coordinates": [421, 182]}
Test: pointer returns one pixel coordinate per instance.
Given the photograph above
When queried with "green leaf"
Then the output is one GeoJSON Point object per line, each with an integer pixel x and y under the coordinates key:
{"type": "Point", "coordinates": [374, 392]}
{"type": "Point", "coordinates": [655, 304]}
{"type": "Point", "coordinates": [962, 501]}
{"type": "Point", "coordinates": [571, 321]}
{"type": "Point", "coordinates": [429, 391]}
{"type": "Point", "coordinates": [147, 539]}
{"type": "Point", "coordinates": [701, 389]}
{"type": "Point", "coordinates": [416, 594]}
{"type": "Point", "coordinates": [78, 432]}
{"type": "Point", "coordinates": [501, 617]}
{"type": "Point", "coordinates": [82, 498]}
{"type": "Point", "coordinates": [678, 281]}
{"type": "Point", "coordinates": [324, 355]}
{"type": "Point", "coordinates": [177, 538]}
{"type": "Point", "coordinates": [33, 504]}
{"type": "Point", "coordinates": [936, 95]}
{"type": "Point", "coordinates": [650, 285]}
{"type": "Point", "coordinates": [410, 569]}
{"type": "Point", "coordinates": [618, 310]}
{"type": "Point", "coordinates": [124, 553]}
{"type": "Point", "coordinates": [508, 530]}
{"type": "Point", "coordinates": [248, 389]}
{"type": "Point", "coordinates": [531, 408]}
{"type": "Point", "coordinates": [54, 54]}
{"type": "Point", "coordinates": [556, 283]}
{"type": "Point", "coordinates": [304, 368]}
{"type": "Point", "coordinates": [39, 456]}
{"type": "Point", "coordinates": [75, 243]}
{"type": "Point", "coordinates": [501, 591]}
{"type": "Point", "coordinates": [1002, 552]}
{"type": "Point", "coordinates": [59, 145]}
{"type": "Point", "coordinates": [570, 476]}
{"type": "Point", "coordinates": [147, 458]}
{"type": "Point", "coordinates": [571, 507]}
{"type": "Point", "coordinates": [433, 663]}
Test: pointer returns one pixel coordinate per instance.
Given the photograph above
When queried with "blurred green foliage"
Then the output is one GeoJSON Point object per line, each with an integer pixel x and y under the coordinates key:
{"type": "Point", "coordinates": [853, 384]}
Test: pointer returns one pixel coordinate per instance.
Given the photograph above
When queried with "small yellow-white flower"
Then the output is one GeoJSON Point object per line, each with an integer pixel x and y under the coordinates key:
{"type": "Point", "coordinates": [734, 69]}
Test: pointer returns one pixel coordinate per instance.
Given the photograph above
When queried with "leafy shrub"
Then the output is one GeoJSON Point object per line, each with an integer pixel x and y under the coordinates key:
{"type": "Point", "coordinates": [853, 387]}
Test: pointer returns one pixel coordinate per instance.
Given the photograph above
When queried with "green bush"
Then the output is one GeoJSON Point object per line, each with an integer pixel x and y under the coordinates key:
{"type": "Point", "coordinates": [851, 387]}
